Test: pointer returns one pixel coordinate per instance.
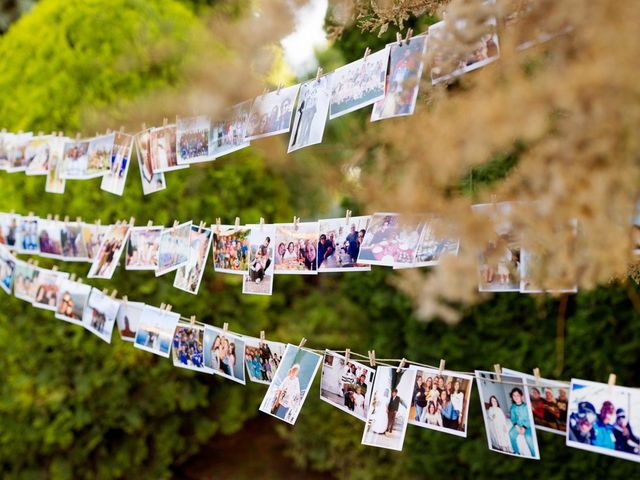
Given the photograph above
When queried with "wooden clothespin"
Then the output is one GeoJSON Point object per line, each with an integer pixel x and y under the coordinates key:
{"type": "Point", "coordinates": [56, 217]}
{"type": "Point", "coordinates": [144, 126]}
{"type": "Point", "coordinates": [54, 268]}
{"type": "Point", "coordinates": [98, 222]}
{"type": "Point", "coordinates": [125, 299]}
{"type": "Point", "coordinates": [79, 219]}
{"type": "Point", "coordinates": [372, 357]}
{"type": "Point", "coordinates": [347, 354]}
{"type": "Point", "coordinates": [61, 133]}
{"type": "Point", "coordinates": [121, 128]}
{"type": "Point", "coordinates": [408, 38]}
{"type": "Point", "coordinates": [612, 381]}
{"type": "Point", "coordinates": [279, 88]}
{"type": "Point", "coordinates": [262, 336]}
{"type": "Point", "coordinates": [302, 342]}
{"type": "Point", "coordinates": [401, 366]}
{"type": "Point", "coordinates": [105, 291]}
{"type": "Point", "coordinates": [30, 216]}
{"type": "Point", "coordinates": [536, 374]}
{"type": "Point", "coordinates": [218, 224]}
{"type": "Point", "coordinates": [114, 293]}
{"type": "Point", "coordinates": [163, 306]}
{"type": "Point", "coordinates": [77, 136]}
{"type": "Point", "coordinates": [225, 327]}
{"type": "Point", "coordinates": [366, 53]}
{"type": "Point", "coordinates": [261, 223]}
{"type": "Point", "coordinates": [79, 280]}
{"type": "Point", "coordinates": [132, 221]}
{"type": "Point", "coordinates": [192, 320]}
{"type": "Point", "coordinates": [168, 307]}
{"type": "Point", "coordinates": [498, 371]}
{"type": "Point", "coordinates": [36, 262]}
{"type": "Point", "coordinates": [318, 73]}
{"type": "Point", "coordinates": [150, 223]}
{"type": "Point", "coordinates": [399, 39]}
{"type": "Point", "coordinates": [40, 133]}
{"type": "Point", "coordinates": [202, 226]}
{"type": "Point", "coordinates": [347, 217]}
{"type": "Point", "coordinates": [441, 367]}
{"type": "Point", "coordinates": [66, 219]}
{"type": "Point", "coordinates": [165, 121]}
{"type": "Point", "coordinates": [296, 220]}
{"type": "Point", "coordinates": [108, 131]}
{"type": "Point", "coordinates": [72, 277]}
{"type": "Point", "coordinates": [30, 261]}
{"type": "Point", "coordinates": [49, 216]}
{"type": "Point", "coordinates": [175, 223]}
{"type": "Point", "coordinates": [237, 225]}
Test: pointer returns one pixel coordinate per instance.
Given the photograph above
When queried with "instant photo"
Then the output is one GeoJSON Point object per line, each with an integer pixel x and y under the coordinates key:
{"type": "Point", "coordinates": [224, 354]}
{"type": "Point", "coordinates": [47, 286]}
{"type": "Point", "coordinates": [100, 314]}
{"type": "Point", "coordinates": [259, 279]}
{"type": "Point", "coordinates": [16, 152]}
{"type": "Point", "coordinates": [151, 182]}
{"type": "Point", "coordinates": [49, 240]}
{"type": "Point", "coordinates": [188, 347]}
{"type": "Point", "coordinates": [155, 330]}
{"type": "Point", "coordinates": [37, 155]}
{"type": "Point", "coordinates": [189, 276]}
{"type": "Point", "coordinates": [262, 359]}
{"type": "Point", "coordinates": [99, 155]}
{"type": "Point", "coordinates": [174, 248]}
{"type": "Point", "coordinates": [291, 384]}
{"type": "Point", "coordinates": [437, 241]}
{"type": "Point", "coordinates": [72, 241]}
{"type": "Point", "coordinates": [27, 239]}
{"type": "Point", "coordinates": [142, 248]}
{"type": "Point", "coordinates": [391, 240]}
{"type": "Point", "coordinates": [339, 244]}
{"type": "Point", "coordinates": [92, 236]}
{"type": "Point", "coordinates": [7, 267]}
{"type": "Point", "coordinates": [108, 255]}
{"type": "Point", "coordinates": [358, 84]}
{"type": "Point", "coordinates": [231, 249]}
{"type": "Point", "coordinates": [25, 276]}
{"type": "Point", "coordinates": [311, 113]}
{"type": "Point", "coordinates": [346, 384]}
{"type": "Point", "coordinates": [72, 299]}
{"type": "Point", "coordinates": [508, 418]}
{"type": "Point", "coordinates": [114, 180]}
{"type": "Point", "coordinates": [440, 401]}
{"type": "Point", "coordinates": [403, 79]}
{"type": "Point", "coordinates": [128, 319]}
{"type": "Point", "coordinates": [55, 182]}
{"type": "Point", "coordinates": [388, 413]}
{"type": "Point", "coordinates": [300, 243]}
{"type": "Point", "coordinates": [228, 135]}
{"type": "Point", "coordinates": [162, 149]}
{"type": "Point", "coordinates": [271, 113]}
{"type": "Point", "coordinates": [192, 139]}
{"type": "Point", "coordinates": [75, 160]}
{"type": "Point", "coordinates": [8, 230]}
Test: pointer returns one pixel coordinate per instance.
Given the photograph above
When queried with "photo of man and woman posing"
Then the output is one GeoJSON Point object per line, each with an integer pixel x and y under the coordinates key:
{"type": "Point", "coordinates": [339, 244]}
{"type": "Point", "coordinates": [107, 258]}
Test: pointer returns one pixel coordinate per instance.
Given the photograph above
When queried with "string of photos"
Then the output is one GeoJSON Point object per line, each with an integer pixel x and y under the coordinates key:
{"type": "Point", "coordinates": [386, 394]}
{"type": "Point", "coordinates": [259, 252]}
{"type": "Point", "coordinates": [388, 79]}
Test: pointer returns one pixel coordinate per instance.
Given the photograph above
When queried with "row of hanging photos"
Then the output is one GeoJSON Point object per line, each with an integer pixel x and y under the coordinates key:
{"type": "Point", "coordinates": [258, 252]}
{"type": "Point", "coordinates": [592, 416]}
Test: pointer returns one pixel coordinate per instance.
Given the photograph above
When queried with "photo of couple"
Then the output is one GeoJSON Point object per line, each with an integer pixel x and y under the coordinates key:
{"type": "Point", "coordinates": [224, 354]}
{"type": "Point", "coordinates": [231, 249]}
{"type": "Point", "coordinates": [27, 238]}
{"type": "Point", "coordinates": [296, 248]}
{"type": "Point", "coordinates": [72, 298]}
{"type": "Point", "coordinates": [228, 135]}
{"type": "Point", "coordinates": [109, 253]}
{"type": "Point", "coordinates": [262, 358]}
{"type": "Point", "coordinates": [188, 350]}
{"type": "Point", "coordinates": [72, 241]}
{"type": "Point", "coordinates": [113, 181]}
{"type": "Point", "coordinates": [339, 244]}
{"type": "Point", "coordinates": [311, 113]}
{"type": "Point", "coordinates": [174, 250]}
{"type": "Point", "coordinates": [391, 240]}
{"type": "Point", "coordinates": [189, 276]}
{"type": "Point", "coordinates": [346, 384]}
{"type": "Point", "coordinates": [100, 314]}
{"type": "Point", "coordinates": [192, 137]}
{"type": "Point", "coordinates": [259, 279]}
{"type": "Point", "coordinates": [155, 330]}
{"type": "Point", "coordinates": [142, 248]}
{"type": "Point", "coordinates": [271, 113]}
{"type": "Point", "coordinates": [49, 238]}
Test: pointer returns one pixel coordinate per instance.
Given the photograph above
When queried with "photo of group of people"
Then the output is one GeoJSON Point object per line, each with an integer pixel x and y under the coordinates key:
{"type": "Point", "coordinates": [188, 349]}
{"type": "Point", "coordinates": [339, 244]}
{"type": "Point", "coordinates": [228, 135]}
{"type": "Point", "coordinates": [7, 267]}
{"type": "Point", "coordinates": [403, 79]}
{"type": "Point", "coordinates": [291, 384]}
{"type": "Point", "coordinates": [358, 84]}
{"type": "Point", "coordinates": [388, 413]}
{"type": "Point", "coordinates": [55, 183]}
{"type": "Point", "coordinates": [440, 401]}
{"type": "Point", "coordinates": [224, 354]}
{"type": "Point", "coordinates": [192, 138]}
{"type": "Point", "coordinates": [109, 253]}
{"type": "Point", "coordinates": [72, 241]}
{"type": "Point", "coordinates": [27, 238]}
{"type": "Point", "coordinates": [151, 181]}
{"type": "Point", "coordinates": [262, 358]}
{"type": "Point", "coordinates": [75, 160]}
{"type": "Point", "coordinates": [174, 251]}
{"type": "Point", "coordinates": [100, 314]}
{"type": "Point", "coordinates": [47, 285]}
{"type": "Point", "coordinates": [604, 419]}
{"type": "Point", "coordinates": [114, 179]}
{"type": "Point", "coordinates": [507, 413]}
{"type": "Point", "coordinates": [128, 319]}
{"type": "Point", "coordinates": [189, 275]}
{"type": "Point", "coordinates": [37, 155]}
{"type": "Point", "coordinates": [24, 280]}
{"type": "Point", "coordinates": [72, 298]}
{"type": "Point", "coordinates": [296, 248]}
{"type": "Point", "coordinates": [231, 249]}
{"type": "Point", "coordinates": [259, 279]}
{"type": "Point", "coordinates": [13, 147]}
{"type": "Point", "coordinates": [346, 384]}
{"type": "Point", "coordinates": [155, 330]}
{"type": "Point", "coordinates": [99, 155]}
{"type": "Point", "coordinates": [162, 149]}
{"type": "Point", "coordinates": [391, 240]}
{"type": "Point", "coordinates": [271, 113]}
{"type": "Point", "coordinates": [142, 248]}
{"type": "Point", "coordinates": [311, 113]}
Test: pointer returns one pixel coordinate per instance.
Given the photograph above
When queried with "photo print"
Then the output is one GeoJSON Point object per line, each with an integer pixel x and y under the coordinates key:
{"type": "Point", "coordinates": [37, 155]}
{"type": "Point", "coordinates": [99, 156]}
{"type": "Point", "coordinates": [8, 229]}
{"type": "Point", "coordinates": [224, 353]}
{"type": "Point", "coordinates": [27, 240]}
{"type": "Point", "coordinates": [25, 276]}
{"type": "Point", "coordinates": [174, 248]}
{"type": "Point", "coordinates": [151, 182]}
{"type": "Point", "coordinates": [72, 241]}
{"type": "Point", "coordinates": [231, 249]}
{"type": "Point", "coordinates": [75, 159]}
{"type": "Point", "coordinates": [291, 384]}
{"type": "Point", "coordinates": [262, 359]}
{"type": "Point", "coordinates": [604, 419]}
{"type": "Point", "coordinates": [500, 262]}
{"type": "Point", "coordinates": [189, 276]}
{"type": "Point", "coordinates": [388, 413]}
{"type": "Point", "coordinates": [228, 135]}
{"type": "Point", "coordinates": [47, 286]}
{"type": "Point", "coordinates": [92, 237]}
{"type": "Point", "coordinates": [128, 319]}
{"type": "Point", "coordinates": [155, 330]}
{"type": "Point", "coordinates": [259, 279]}
{"type": "Point", "coordinates": [4, 149]}
{"type": "Point", "coordinates": [441, 401]}
{"type": "Point", "coordinates": [358, 84]}
{"type": "Point", "coordinates": [192, 139]}
{"type": "Point", "coordinates": [72, 298]}
{"type": "Point", "coordinates": [339, 244]}
{"type": "Point", "coordinates": [16, 152]}
{"type": "Point", "coordinates": [55, 182]}
{"type": "Point", "coordinates": [113, 181]}
{"type": "Point", "coordinates": [296, 248]}
{"type": "Point", "coordinates": [100, 314]}
{"type": "Point", "coordinates": [403, 79]}
{"type": "Point", "coordinates": [142, 248]}
{"type": "Point", "coordinates": [188, 347]}
{"type": "Point", "coordinates": [436, 242]}
{"type": "Point", "coordinates": [549, 400]}
{"type": "Point", "coordinates": [271, 113]}
{"type": "Point", "coordinates": [508, 418]}
{"type": "Point", "coordinates": [347, 385]}
{"type": "Point", "coordinates": [162, 149]}
{"type": "Point", "coordinates": [108, 255]}
{"type": "Point", "coordinates": [311, 113]}
{"type": "Point", "coordinates": [49, 240]}
{"type": "Point", "coordinates": [485, 52]}
{"type": "Point", "coordinates": [391, 240]}
{"type": "Point", "coordinates": [7, 267]}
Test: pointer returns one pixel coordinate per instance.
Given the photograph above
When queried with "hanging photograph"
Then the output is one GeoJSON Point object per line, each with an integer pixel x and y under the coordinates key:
{"type": "Point", "coordinates": [231, 249]}
{"type": "Point", "coordinates": [224, 353]}
{"type": "Point", "coordinates": [151, 182]}
{"type": "Point", "coordinates": [162, 149]}
{"type": "Point", "coordinates": [25, 276]}
{"type": "Point", "coordinates": [192, 138]}
{"type": "Point", "coordinates": [55, 182]}
{"type": "Point", "coordinates": [339, 244]}
{"type": "Point", "coordinates": [228, 135]}
{"type": "Point", "coordinates": [346, 384]}
{"type": "Point", "coordinates": [72, 298]}
{"type": "Point", "coordinates": [262, 359]}
{"type": "Point", "coordinates": [47, 286]}
{"type": "Point", "coordinates": [388, 413]}
{"type": "Point", "coordinates": [49, 238]}
{"type": "Point", "coordinates": [155, 330]}
{"type": "Point", "coordinates": [99, 155]}
{"type": "Point", "coordinates": [291, 384]}
{"type": "Point", "coordinates": [74, 248]}
{"type": "Point", "coordinates": [311, 113]}
{"type": "Point", "coordinates": [37, 155]}
{"type": "Point", "coordinates": [441, 401]}
{"type": "Point", "coordinates": [92, 236]}
{"type": "Point", "coordinates": [114, 180]}
{"type": "Point", "coordinates": [437, 241]}
{"type": "Point", "coordinates": [100, 314]}
{"type": "Point", "coordinates": [358, 84]}
{"type": "Point", "coordinates": [299, 255]}
{"type": "Point", "coordinates": [75, 160]}
{"type": "Point", "coordinates": [142, 248]}
{"type": "Point", "coordinates": [108, 255]}
{"type": "Point", "coordinates": [16, 152]}
{"type": "Point", "coordinates": [508, 418]}
{"type": "Point", "coordinates": [8, 229]}
{"type": "Point", "coordinates": [7, 267]}
{"type": "Point", "coordinates": [27, 239]}
{"type": "Point", "coordinates": [128, 319]}
{"type": "Point", "coordinates": [391, 240]}
{"type": "Point", "coordinates": [188, 347]}
{"type": "Point", "coordinates": [189, 276]}
{"type": "Point", "coordinates": [174, 248]}
{"type": "Point", "coordinates": [259, 280]}
{"type": "Point", "coordinates": [403, 79]}
{"type": "Point", "coordinates": [271, 113]}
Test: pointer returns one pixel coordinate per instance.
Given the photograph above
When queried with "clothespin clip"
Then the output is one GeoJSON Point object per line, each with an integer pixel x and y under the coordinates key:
{"type": "Point", "coordinates": [399, 39]}
{"type": "Point", "coordinates": [121, 128]}
{"type": "Point", "coordinates": [372, 357]}
{"type": "Point", "coordinates": [225, 327]}
{"type": "Point", "coordinates": [114, 293]}
{"type": "Point", "coordinates": [366, 53]}
{"type": "Point", "coordinates": [72, 277]}
{"type": "Point", "coordinates": [347, 354]}
{"type": "Point", "coordinates": [36, 262]}
{"type": "Point", "coordinates": [150, 223]}
{"type": "Point", "coordinates": [261, 223]}
{"type": "Point", "coordinates": [262, 335]}
{"type": "Point", "coordinates": [296, 220]}
{"type": "Point", "coordinates": [318, 73]}
{"type": "Point", "coordinates": [49, 216]}
{"type": "Point", "coordinates": [163, 306]}
{"type": "Point", "coordinates": [79, 219]}
{"type": "Point", "coordinates": [108, 131]}
{"type": "Point", "coordinates": [409, 33]}
{"type": "Point", "coordinates": [132, 221]}
{"type": "Point", "coordinates": [105, 291]}
{"type": "Point", "coordinates": [40, 133]}
{"type": "Point", "coordinates": [77, 136]}
{"type": "Point", "coordinates": [31, 214]}
{"type": "Point", "coordinates": [125, 299]}
{"type": "Point", "coordinates": [66, 219]}
{"type": "Point", "coordinates": [498, 371]}
{"type": "Point", "coordinates": [493, 198]}
{"type": "Point", "coordinates": [347, 217]}
{"type": "Point", "coordinates": [192, 320]}
{"type": "Point", "coordinates": [98, 222]}
{"type": "Point", "coordinates": [612, 381]}
{"type": "Point", "coordinates": [302, 342]}
{"type": "Point", "coordinates": [165, 121]}
{"type": "Point", "coordinates": [401, 366]}
{"type": "Point", "coordinates": [202, 225]}
{"type": "Point", "coordinates": [168, 307]}
{"type": "Point", "coordinates": [175, 223]}
{"type": "Point", "coordinates": [237, 223]}
{"type": "Point", "coordinates": [61, 133]}
{"type": "Point", "coordinates": [30, 261]}
{"type": "Point", "coordinates": [441, 367]}
{"type": "Point", "coordinates": [54, 268]}
{"type": "Point", "coordinates": [536, 374]}
{"type": "Point", "coordinates": [218, 224]}
{"type": "Point", "coordinates": [79, 280]}
{"type": "Point", "coordinates": [56, 217]}
{"type": "Point", "coordinates": [144, 126]}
